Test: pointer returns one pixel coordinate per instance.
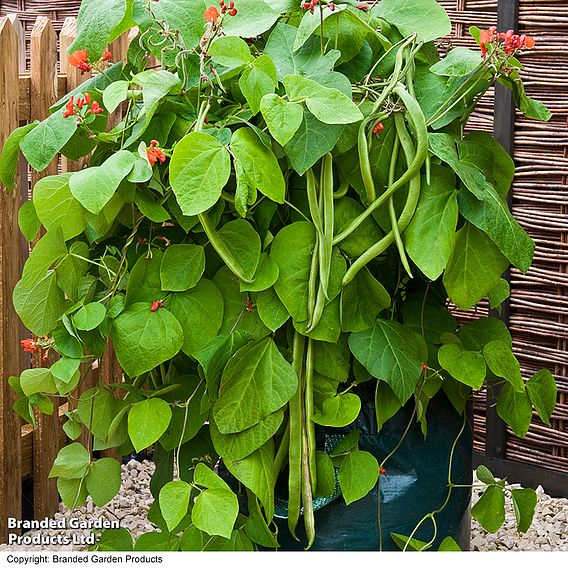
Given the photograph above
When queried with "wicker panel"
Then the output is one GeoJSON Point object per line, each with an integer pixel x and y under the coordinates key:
{"type": "Point", "coordinates": [29, 10]}
{"type": "Point", "coordinates": [539, 299]}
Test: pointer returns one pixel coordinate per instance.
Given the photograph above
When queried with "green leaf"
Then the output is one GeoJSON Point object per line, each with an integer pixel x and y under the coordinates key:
{"type": "Point", "coordinates": [312, 140]}
{"type": "Point", "coordinates": [256, 472]}
{"type": "Point", "coordinates": [240, 445]}
{"type": "Point", "coordinates": [147, 421]}
{"type": "Point", "coordinates": [325, 485]}
{"type": "Point", "coordinates": [504, 364]}
{"type": "Point", "coordinates": [449, 545]}
{"type": "Point", "coordinates": [215, 512]}
{"type": "Point", "coordinates": [468, 367]}
{"type": "Point", "coordinates": [96, 409]}
{"type": "Point", "coordinates": [338, 411]}
{"type": "Point", "coordinates": [41, 305]}
{"type": "Point", "coordinates": [43, 142]}
{"type": "Point", "coordinates": [311, 21]}
{"type": "Point", "coordinates": [391, 353]}
{"type": "Point", "coordinates": [174, 502]}
{"type": "Point", "coordinates": [244, 244]}
{"type": "Point", "coordinates": [493, 217]}
{"type": "Point", "coordinates": [71, 462]}
{"type": "Point", "coordinates": [115, 94]}
{"type": "Point", "coordinates": [474, 267]}
{"type": "Point", "coordinates": [429, 319]}
{"type": "Point", "coordinates": [358, 475]}
{"type": "Point", "coordinates": [256, 382]}
{"type": "Point", "coordinates": [484, 475]}
{"type": "Point", "coordinates": [362, 300]}
{"type": "Point", "coordinates": [199, 169]}
{"type": "Point", "coordinates": [515, 409]}
{"type": "Point", "coordinates": [89, 316]}
{"type": "Point", "coordinates": [99, 23]}
{"type": "Point", "coordinates": [283, 118]}
{"type": "Point", "coordinates": [47, 251]}
{"type": "Point", "coordinates": [72, 491]}
{"type": "Point", "coordinates": [200, 314]}
{"type": "Point", "coordinates": [542, 391]}
{"type": "Point", "coordinates": [489, 511]}
{"type": "Point", "coordinates": [56, 206]}
{"type": "Point", "coordinates": [386, 404]}
{"type": "Point", "coordinates": [65, 368]}
{"type": "Point", "coordinates": [426, 18]}
{"type": "Point", "coordinates": [144, 284]}
{"type": "Point", "coordinates": [478, 333]}
{"type": "Point", "coordinates": [37, 380]}
{"type": "Point", "coordinates": [307, 61]}
{"type": "Point", "coordinates": [271, 310]}
{"type": "Point", "coordinates": [524, 504]}
{"type": "Point", "coordinates": [207, 478]}
{"type": "Point", "coordinates": [72, 429]}
{"type": "Point", "coordinates": [143, 339]}
{"type": "Point", "coordinates": [28, 221]}
{"type": "Point", "coordinates": [259, 164]}
{"type": "Point", "coordinates": [258, 80]}
{"type": "Point", "coordinates": [265, 276]}
{"type": "Point", "coordinates": [103, 480]}
{"type": "Point", "coordinates": [429, 238]}
{"type": "Point", "coordinates": [332, 359]}
{"type": "Point", "coordinates": [230, 51]}
{"type": "Point", "coordinates": [330, 106]}
{"type": "Point", "coordinates": [182, 267]}
{"type": "Point", "coordinates": [292, 250]}
{"type": "Point", "coordinates": [254, 17]}
{"type": "Point", "coordinates": [458, 62]}
{"type": "Point", "coordinates": [156, 541]}
{"type": "Point", "coordinates": [10, 154]}
{"type": "Point", "coordinates": [499, 293]}
{"type": "Point", "coordinates": [94, 187]}
{"type": "Point", "coordinates": [113, 540]}
{"type": "Point", "coordinates": [407, 543]}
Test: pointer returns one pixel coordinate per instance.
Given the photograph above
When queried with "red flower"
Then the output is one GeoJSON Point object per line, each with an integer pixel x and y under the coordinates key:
{"type": "Point", "coordinates": [96, 108]}
{"type": "Point", "coordinates": [107, 56]}
{"type": "Point", "coordinates": [424, 368]}
{"type": "Point", "coordinates": [211, 14]}
{"type": "Point", "coordinates": [80, 60]}
{"type": "Point", "coordinates": [309, 5]}
{"type": "Point", "coordinates": [155, 154]}
{"type": "Point", "coordinates": [382, 471]}
{"type": "Point", "coordinates": [157, 305]}
{"type": "Point", "coordinates": [378, 128]}
{"type": "Point", "coordinates": [29, 345]}
{"type": "Point", "coordinates": [363, 7]}
{"type": "Point", "coordinates": [69, 108]}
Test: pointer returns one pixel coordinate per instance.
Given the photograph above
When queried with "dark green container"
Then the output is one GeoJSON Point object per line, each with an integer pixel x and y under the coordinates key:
{"type": "Point", "coordinates": [415, 484]}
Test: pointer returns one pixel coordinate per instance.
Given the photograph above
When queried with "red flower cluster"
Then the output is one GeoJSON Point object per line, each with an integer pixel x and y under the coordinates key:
{"type": "Point", "coordinates": [40, 345]}
{"type": "Point", "coordinates": [230, 8]}
{"type": "Point", "coordinates": [155, 154]}
{"type": "Point", "coordinates": [311, 6]}
{"type": "Point", "coordinates": [378, 128]}
{"type": "Point", "coordinates": [211, 14]}
{"type": "Point", "coordinates": [156, 305]}
{"type": "Point", "coordinates": [74, 106]}
{"type": "Point", "coordinates": [511, 42]}
{"type": "Point", "coordinates": [80, 60]}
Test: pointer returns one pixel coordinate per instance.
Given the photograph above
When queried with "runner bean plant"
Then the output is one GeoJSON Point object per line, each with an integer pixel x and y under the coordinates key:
{"type": "Point", "coordinates": [286, 214]}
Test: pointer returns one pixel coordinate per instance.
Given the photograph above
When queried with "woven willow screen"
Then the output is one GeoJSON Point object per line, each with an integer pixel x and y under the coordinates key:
{"type": "Point", "coordinates": [539, 299]}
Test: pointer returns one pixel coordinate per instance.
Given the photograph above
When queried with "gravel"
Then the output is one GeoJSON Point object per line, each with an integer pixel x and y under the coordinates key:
{"type": "Point", "coordinates": [548, 532]}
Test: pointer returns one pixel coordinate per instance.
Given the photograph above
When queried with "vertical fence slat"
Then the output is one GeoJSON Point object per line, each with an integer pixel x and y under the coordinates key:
{"type": "Point", "coordinates": [43, 93]}
{"type": "Point", "coordinates": [10, 267]}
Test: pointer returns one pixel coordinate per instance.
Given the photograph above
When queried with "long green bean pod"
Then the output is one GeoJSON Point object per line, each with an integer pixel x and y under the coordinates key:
{"type": "Point", "coordinates": [307, 494]}
{"type": "Point", "coordinates": [392, 211]}
{"type": "Point", "coordinates": [282, 452]}
{"type": "Point", "coordinates": [309, 411]}
{"type": "Point", "coordinates": [326, 245]}
{"type": "Point", "coordinates": [295, 446]}
{"type": "Point", "coordinates": [417, 117]}
{"type": "Point", "coordinates": [222, 249]}
{"type": "Point", "coordinates": [405, 216]}
{"type": "Point", "coordinates": [318, 309]}
{"type": "Point", "coordinates": [313, 281]}
{"type": "Point", "coordinates": [365, 162]}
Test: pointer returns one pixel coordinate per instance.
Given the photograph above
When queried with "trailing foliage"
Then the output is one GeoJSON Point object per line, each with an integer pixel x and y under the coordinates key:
{"type": "Point", "coordinates": [270, 232]}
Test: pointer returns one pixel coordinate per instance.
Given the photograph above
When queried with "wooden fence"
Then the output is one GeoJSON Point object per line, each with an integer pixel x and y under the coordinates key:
{"type": "Point", "coordinates": [25, 96]}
